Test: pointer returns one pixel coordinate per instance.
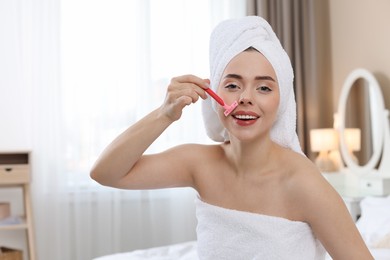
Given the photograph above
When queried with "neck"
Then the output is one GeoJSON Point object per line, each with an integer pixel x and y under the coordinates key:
{"type": "Point", "coordinates": [249, 157]}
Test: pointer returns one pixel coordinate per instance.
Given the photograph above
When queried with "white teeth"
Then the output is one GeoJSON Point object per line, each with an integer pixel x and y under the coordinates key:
{"type": "Point", "coordinates": [245, 117]}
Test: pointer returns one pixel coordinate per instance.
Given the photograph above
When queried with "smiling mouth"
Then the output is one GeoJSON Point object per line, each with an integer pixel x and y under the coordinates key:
{"type": "Point", "coordinates": [245, 117]}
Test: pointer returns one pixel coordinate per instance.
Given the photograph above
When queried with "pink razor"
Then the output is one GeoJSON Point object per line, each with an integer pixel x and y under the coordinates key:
{"type": "Point", "coordinates": [228, 109]}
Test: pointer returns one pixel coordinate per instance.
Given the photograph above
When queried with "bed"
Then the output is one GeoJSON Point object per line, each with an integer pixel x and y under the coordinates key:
{"type": "Point", "coordinates": [374, 225]}
{"type": "Point", "coordinates": [181, 251]}
{"type": "Point", "coordinates": [187, 251]}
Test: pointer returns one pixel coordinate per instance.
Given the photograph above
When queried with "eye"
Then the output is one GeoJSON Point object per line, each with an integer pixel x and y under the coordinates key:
{"type": "Point", "coordinates": [264, 89]}
{"type": "Point", "coordinates": [231, 86]}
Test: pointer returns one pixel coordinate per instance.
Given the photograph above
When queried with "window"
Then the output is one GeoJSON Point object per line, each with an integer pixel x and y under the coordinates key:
{"type": "Point", "coordinates": [117, 58]}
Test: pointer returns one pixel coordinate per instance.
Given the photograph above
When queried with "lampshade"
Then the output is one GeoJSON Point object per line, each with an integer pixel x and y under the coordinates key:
{"type": "Point", "coordinates": [323, 139]}
{"type": "Point", "coordinates": [352, 138]}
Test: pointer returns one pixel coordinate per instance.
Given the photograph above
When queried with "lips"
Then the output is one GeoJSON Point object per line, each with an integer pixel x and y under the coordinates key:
{"type": "Point", "coordinates": [245, 115]}
{"type": "Point", "coordinates": [245, 118]}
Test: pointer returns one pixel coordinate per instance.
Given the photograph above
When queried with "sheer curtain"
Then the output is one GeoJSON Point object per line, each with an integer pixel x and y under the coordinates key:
{"type": "Point", "coordinates": [97, 66]}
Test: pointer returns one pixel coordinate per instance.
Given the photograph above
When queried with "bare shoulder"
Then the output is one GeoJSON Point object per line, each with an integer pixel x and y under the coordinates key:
{"type": "Point", "coordinates": [196, 152]}
{"type": "Point", "coordinates": [324, 210]}
{"type": "Point", "coordinates": [193, 157]}
{"type": "Point", "coordinates": [309, 190]}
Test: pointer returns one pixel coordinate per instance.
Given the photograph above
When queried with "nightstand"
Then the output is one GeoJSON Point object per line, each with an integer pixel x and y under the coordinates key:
{"type": "Point", "coordinates": [15, 171]}
{"type": "Point", "coordinates": [347, 185]}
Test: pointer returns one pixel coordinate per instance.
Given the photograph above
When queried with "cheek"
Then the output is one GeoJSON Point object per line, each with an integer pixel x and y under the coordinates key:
{"type": "Point", "coordinates": [271, 106]}
{"type": "Point", "coordinates": [269, 102]}
{"type": "Point", "coordinates": [227, 97]}
{"type": "Point", "coordinates": [275, 106]}
{"type": "Point", "coordinates": [221, 117]}
{"type": "Point", "coordinates": [220, 111]}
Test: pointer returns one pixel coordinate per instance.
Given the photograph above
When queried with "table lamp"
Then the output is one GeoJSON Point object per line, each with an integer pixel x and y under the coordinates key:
{"type": "Point", "coordinates": [324, 140]}
{"type": "Point", "coordinates": [352, 140]}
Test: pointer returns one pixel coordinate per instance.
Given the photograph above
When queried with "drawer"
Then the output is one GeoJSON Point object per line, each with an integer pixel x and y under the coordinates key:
{"type": "Point", "coordinates": [375, 186]}
{"type": "Point", "coordinates": [14, 174]}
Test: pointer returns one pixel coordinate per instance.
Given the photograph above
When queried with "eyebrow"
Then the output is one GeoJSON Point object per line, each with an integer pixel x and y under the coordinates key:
{"type": "Point", "coordinates": [236, 76]}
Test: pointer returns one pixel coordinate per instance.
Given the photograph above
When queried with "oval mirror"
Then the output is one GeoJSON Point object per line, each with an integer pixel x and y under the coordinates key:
{"type": "Point", "coordinates": [361, 96]}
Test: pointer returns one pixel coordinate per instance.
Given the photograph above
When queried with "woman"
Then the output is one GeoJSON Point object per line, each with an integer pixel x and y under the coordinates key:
{"type": "Point", "coordinates": [259, 196]}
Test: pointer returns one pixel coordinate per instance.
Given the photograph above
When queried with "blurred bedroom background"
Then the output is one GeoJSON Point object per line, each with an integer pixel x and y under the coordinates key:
{"type": "Point", "coordinates": [76, 73]}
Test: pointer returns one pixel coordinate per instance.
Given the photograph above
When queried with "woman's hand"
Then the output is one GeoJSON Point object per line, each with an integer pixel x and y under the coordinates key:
{"type": "Point", "coordinates": [182, 91]}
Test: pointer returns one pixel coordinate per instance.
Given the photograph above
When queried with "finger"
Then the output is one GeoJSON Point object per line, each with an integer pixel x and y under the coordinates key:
{"type": "Point", "coordinates": [192, 79]}
{"type": "Point", "coordinates": [200, 92]}
{"type": "Point", "coordinates": [196, 92]}
{"type": "Point", "coordinates": [184, 101]}
{"type": "Point", "coordinates": [196, 83]}
{"type": "Point", "coordinates": [188, 89]}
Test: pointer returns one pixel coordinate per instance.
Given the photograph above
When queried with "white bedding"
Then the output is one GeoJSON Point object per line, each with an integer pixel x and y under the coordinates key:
{"type": "Point", "coordinates": [374, 225]}
{"type": "Point", "coordinates": [182, 251]}
{"type": "Point", "coordinates": [187, 251]}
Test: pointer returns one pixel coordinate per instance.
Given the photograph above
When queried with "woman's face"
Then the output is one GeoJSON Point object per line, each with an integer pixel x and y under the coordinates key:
{"type": "Point", "coordinates": [250, 80]}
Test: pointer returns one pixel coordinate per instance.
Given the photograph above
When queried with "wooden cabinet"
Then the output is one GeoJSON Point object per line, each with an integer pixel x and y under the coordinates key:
{"type": "Point", "coordinates": [15, 171]}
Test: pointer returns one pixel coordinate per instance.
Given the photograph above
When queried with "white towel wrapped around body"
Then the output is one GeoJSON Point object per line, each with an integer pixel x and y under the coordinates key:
{"type": "Point", "coordinates": [232, 37]}
{"type": "Point", "coordinates": [232, 234]}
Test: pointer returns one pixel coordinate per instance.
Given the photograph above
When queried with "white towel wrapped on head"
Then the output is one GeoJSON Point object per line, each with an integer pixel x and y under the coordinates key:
{"type": "Point", "coordinates": [230, 38]}
{"type": "Point", "coordinates": [232, 234]}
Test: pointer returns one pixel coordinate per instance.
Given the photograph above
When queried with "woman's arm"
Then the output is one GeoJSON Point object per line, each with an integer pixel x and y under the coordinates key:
{"type": "Point", "coordinates": [123, 165]}
{"type": "Point", "coordinates": [330, 219]}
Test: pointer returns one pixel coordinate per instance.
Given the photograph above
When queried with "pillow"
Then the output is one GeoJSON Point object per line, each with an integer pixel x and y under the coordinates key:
{"type": "Point", "coordinates": [374, 223]}
{"type": "Point", "coordinates": [383, 243]}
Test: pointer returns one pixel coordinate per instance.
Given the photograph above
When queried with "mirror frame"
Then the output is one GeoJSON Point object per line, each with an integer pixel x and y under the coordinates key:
{"type": "Point", "coordinates": [375, 90]}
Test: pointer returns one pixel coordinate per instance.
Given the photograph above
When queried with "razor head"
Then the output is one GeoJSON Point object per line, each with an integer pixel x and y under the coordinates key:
{"type": "Point", "coordinates": [230, 108]}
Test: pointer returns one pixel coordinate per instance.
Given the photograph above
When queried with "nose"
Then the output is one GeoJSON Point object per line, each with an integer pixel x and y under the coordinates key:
{"type": "Point", "coordinates": [245, 98]}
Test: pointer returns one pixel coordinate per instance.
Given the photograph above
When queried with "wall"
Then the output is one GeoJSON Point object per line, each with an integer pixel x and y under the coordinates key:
{"type": "Point", "coordinates": [360, 37]}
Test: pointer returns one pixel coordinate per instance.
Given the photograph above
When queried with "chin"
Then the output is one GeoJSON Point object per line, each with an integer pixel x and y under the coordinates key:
{"type": "Point", "coordinates": [244, 137]}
